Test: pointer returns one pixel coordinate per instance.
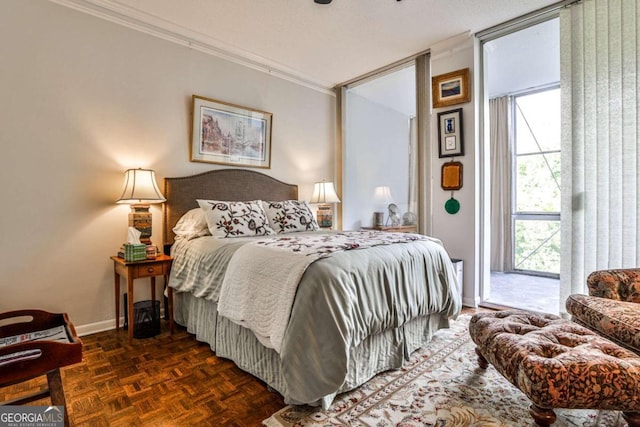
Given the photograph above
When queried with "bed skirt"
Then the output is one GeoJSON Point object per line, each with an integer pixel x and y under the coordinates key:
{"type": "Point", "coordinates": [377, 353]}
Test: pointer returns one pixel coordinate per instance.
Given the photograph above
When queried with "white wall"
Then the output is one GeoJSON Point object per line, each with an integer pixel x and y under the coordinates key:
{"type": "Point", "coordinates": [376, 154]}
{"type": "Point", "coordinates": [458, 232]}
{"type": "Point", "coordinates": [84, 99]}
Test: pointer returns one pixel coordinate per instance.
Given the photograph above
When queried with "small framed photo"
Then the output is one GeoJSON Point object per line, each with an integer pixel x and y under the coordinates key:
{"type": "Point", "coordinates": [451, 88]}
{"type": "Point", "coordinates": [450, 133]}
{"type": "Point", "coordinates": [229, 134]}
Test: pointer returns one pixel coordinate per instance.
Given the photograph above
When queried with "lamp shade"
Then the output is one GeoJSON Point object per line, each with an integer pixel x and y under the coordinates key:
{"type": "Point", "coordinates": [382, 195]}
{"type": "Point", "coordinates": [140, 187]}
{"type": "Point", "coordinates": [324, 192]}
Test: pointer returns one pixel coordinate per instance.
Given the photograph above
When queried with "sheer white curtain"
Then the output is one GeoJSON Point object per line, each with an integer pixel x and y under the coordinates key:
{"type": "Point", "coordinates": [501, 242]}
{"type": "Point", "coordinates": [600, 124]}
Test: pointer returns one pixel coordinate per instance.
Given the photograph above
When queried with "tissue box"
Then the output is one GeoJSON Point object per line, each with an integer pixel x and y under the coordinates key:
{"type": "Point", "coordinates": [133, 252]}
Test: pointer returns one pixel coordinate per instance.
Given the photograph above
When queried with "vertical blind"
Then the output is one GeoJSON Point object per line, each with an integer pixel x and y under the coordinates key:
{"type": "Point", "coordinates": [600, 124]}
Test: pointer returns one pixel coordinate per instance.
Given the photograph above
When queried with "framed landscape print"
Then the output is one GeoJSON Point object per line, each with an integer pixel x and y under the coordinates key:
{"type": "Point", "coordinates": [451, 88]}
{"type": "Point", "coordinates": [450, 141]}
{"type": "Point", "coordinates": [229, 134]}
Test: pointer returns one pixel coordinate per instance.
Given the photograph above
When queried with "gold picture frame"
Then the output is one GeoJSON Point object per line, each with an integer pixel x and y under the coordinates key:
{"type": "Point", "coordinates": [451, 88]}
{"type": "Point", "coordinates": [451, 179]}
{"type": "Point", "coordinates": [230, 134]}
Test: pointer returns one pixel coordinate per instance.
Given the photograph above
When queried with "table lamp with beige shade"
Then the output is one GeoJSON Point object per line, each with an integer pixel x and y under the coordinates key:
{"type": "Point", "coordinates": [140, 191]}
{"type": "Point", "coordinates": [324, 195]}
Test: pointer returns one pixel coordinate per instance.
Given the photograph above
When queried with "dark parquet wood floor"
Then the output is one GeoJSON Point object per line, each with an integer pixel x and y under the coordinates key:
{"type": "Point", "coordinates": [161, 381]}
{"type": "Point", "coordinates": [167, 380]}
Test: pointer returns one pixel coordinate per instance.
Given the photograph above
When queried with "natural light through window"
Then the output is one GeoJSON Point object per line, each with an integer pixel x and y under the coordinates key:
{"type": "Point", "coordinates": [536, 214]}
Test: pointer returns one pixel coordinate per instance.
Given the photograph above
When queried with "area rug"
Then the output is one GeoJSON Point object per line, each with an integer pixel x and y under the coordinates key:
{"type": "Point", "coordinates": [441, 385]}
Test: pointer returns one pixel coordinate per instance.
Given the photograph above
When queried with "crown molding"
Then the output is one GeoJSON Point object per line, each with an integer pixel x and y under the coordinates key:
{"type": "Point", "coordinates": [452, 45]}
{"type": "Point", "coordinates": [140, 21]}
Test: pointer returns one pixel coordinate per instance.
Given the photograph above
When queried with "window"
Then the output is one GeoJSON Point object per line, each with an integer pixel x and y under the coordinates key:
{"type": "Point", "coordinates": [536, 198]}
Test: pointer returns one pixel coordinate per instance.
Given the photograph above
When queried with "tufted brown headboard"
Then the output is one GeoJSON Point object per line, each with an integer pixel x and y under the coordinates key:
{"type": "Point", "coordinates": [221, 184]}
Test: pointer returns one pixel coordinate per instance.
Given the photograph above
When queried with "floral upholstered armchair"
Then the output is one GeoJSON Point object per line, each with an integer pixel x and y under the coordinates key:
{"type": "Point", "coordinates": [612, 307]}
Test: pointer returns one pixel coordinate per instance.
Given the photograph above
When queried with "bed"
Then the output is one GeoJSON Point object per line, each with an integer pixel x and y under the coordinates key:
{"type": "Point", "coordinates": [354, 313]}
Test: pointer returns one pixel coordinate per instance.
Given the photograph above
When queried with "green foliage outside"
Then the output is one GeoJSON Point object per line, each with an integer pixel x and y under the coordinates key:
{"type": "Point", "coordinates": [537, 241]}
{"type": "Point", "coordinates": [536, 183]}
{"type": "Point", "coordinates": [537, 246]}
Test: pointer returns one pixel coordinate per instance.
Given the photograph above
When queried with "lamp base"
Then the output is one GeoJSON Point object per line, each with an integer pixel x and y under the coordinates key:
{"type": "Point", "coordinates": [378, 219]}
{"type": "Point", "coordinates": [140, 219]}
{"type": "Point", "coordinates": [325, 216]}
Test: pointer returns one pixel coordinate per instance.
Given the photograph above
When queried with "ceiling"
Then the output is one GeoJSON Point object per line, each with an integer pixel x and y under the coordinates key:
{"type": "Point", "coordinates": [319, 45]}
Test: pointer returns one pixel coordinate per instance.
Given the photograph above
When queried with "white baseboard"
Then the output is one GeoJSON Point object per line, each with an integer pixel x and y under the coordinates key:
{"type": "Point", "coordinates": [94, 328]}
{"type": "Point", "coordinates": [105, 325]}
{"type": "Point", "coordinates": [469, 302]}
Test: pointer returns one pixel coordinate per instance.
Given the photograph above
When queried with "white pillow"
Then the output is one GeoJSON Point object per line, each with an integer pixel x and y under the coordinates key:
{"type": "Point", "coordinates": [192, 224]}
{"type": "Point", "coordinates": [236, 219]}
{"type": "Point", "coordinates": [290, 216]}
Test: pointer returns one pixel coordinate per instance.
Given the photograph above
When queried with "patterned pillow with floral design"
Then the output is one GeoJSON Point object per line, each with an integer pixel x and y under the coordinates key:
{"type": "Point", "coordinates": [290, 216]}
{"type": "Point", "coordinates": [236, 219]}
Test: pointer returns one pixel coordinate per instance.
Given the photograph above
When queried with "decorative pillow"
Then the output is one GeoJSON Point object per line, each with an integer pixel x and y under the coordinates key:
{"type": "Point", "coordinates": [192, 224]}
{"type": "Point", "coordinates": [235, 219]}
{"type": "Point", "coordinates": [290, 216]}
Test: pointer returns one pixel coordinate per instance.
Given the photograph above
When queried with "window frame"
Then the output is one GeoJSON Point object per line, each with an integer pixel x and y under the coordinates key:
{"type": "Point", "coordinates": [526, 215]}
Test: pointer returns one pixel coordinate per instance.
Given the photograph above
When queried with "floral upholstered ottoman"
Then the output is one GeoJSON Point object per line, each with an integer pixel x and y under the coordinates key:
{"type": "Point", "coordinates": [557, 363]}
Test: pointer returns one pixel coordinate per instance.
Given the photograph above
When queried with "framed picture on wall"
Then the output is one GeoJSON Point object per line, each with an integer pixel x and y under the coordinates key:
{"type": "Point", "coordinates": [451, 177]}
{"type": "Point", "coordinates": [229, 134]}
{"type": "Point", "coordinates": [451, 88]}
{"type": "Point", "coordinates": [450, 141]}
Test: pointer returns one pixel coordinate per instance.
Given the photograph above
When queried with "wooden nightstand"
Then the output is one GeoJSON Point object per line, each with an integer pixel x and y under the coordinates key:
{"type": "Point", "coordinates": [131, 270]}
{"type": "Point", "coordinates": [396, 228]}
